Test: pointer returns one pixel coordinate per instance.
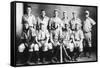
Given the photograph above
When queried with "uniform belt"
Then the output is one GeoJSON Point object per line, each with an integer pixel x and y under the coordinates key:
{"type": "Point", "coordinates": [77, 40]}
{"type": "Point", "coordinates": [87, 32]}
{"type": "Point", "coordinates": [73, 29]}
{"type": "Point", "coordinates": [31, 26]}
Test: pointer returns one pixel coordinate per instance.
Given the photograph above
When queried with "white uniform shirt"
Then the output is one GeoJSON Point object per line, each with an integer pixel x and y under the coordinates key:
{"type": "Point", "coordinates": [43, 21]}
{"type": "Point", "coordinates": [58, 22]}
{"type": "Point", "coordinates": [73, 23]}
{"type": "Point", "coordinates": [30, 19]}
{"type": "Point", "coordinates": [87, 26]}
{"type": "Point", "coordinates": [78, 35]}
{"type": "Point", "coordinates": [67, 35]}
{"type": "Point", "coordinates": [41, 35]}
{"type": "Point", "coordinates": [65, 21]}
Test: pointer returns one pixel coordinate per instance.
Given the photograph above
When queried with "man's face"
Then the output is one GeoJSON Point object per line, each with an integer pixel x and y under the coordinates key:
{"type": "Point", "coordinates": [74, 15]}
{"type": "Point", "coordinates": [29, 10]}
{"type": "Point", "coordinates": [55, 13]}
{"type": "Point", "coordinates": [64, 14]}
{"type": "Point", "coordinates": [43, 13]}
{"type": "Point", "coordinates": [87, 15]}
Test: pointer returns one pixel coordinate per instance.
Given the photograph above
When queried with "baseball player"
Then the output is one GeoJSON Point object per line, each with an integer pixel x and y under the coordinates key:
{"type": "Point", "coordinates": [75, 20]}
{"type": "Point", "coordinates": [43, 20]}
{"type": "Point", "coordinates": [67, 41]}
{"type": "Point", "coordinates": [29, 18]}
{"type": "Point", "coordinates": [65, 20]}
{"type": "Point", "coordinates": [87, 28]}
{"type": "Point", "coordinates": [78, 41]}
{"type": "Point", "coordinates": [26, 38]}
{"type": "Point", "coordinates": [56, 24]}
{"type": "Point", "coordinates": [34, 47]}
{"type": "Point", "coordinates": [47, 47]}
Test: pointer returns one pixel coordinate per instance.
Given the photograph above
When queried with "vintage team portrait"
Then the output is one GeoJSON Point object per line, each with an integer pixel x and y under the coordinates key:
{"type": "Point", "coordinates": [55, 34]}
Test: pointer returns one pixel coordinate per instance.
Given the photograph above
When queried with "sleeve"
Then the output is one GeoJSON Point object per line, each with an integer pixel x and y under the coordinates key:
{"type": "Point", "coordinates": [69, 23]}
{"type": "Point", "coordinates": [79, 22]}
{"type": "Point", "coordinates": [22, 35]}
{"type": "Point", "coordinates": [92, 21]}
{"type": "Point", "coordinates": [62, 23]}
{"type": "Point", "coordinates": [81, 34]}
{"type": "Point", "coordinates": [49, 22]}
{"type": "Point", "coordinates": [51, 38]}
{"type": "Point", "coordinates": [34, 20]}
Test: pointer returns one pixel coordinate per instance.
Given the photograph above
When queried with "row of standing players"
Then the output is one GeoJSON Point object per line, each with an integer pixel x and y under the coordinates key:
{"type": "Point", "coordinates": [42, 37]}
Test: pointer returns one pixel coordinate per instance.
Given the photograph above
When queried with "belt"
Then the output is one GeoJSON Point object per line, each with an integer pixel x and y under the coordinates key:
{"type": "Point", "coordinates": [87, 32]}
{"type": "Point", "coordinates": [77, 40]}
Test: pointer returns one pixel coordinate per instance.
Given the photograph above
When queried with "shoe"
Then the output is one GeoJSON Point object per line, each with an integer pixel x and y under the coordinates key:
{"type": "Point", "coordinates": [89, 56]}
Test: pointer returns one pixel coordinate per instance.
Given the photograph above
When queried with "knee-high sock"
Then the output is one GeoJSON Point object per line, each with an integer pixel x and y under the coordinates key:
{"type": "Point", "coordinates": [49, 55]}
{"type": "Point", "coordinates": [89, 51]}
{"type": "Point", "coordinates": [36, 56]}
{"type": "Point", "coordinates": [20, 57]}
{"type": "Point", "coordinates": [29, 56]}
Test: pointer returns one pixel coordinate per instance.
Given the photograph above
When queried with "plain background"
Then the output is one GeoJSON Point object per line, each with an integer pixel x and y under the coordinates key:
{"type": "Point", "coordinates": [5, 34]}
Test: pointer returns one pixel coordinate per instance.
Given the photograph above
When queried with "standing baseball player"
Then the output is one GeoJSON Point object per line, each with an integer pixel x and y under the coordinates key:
{"type": "Point", "coordinates": [25, 44]}
{"type": "Point", "coordinates": [43, 20]}
{"type": "Point", "coordinates": [56, 24]}
{"type": "Point", "coordinates": [65, 20]}
{"type": "Point", "coordinates": [75, 20]}
{"type": "Point", "coordinates": [87, 28]}
{"type": "Point", "coordinates": [29, 18]}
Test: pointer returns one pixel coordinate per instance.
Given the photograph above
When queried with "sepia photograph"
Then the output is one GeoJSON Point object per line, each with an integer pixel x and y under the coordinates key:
{"type": "Point", "coordinates": [49, 33]}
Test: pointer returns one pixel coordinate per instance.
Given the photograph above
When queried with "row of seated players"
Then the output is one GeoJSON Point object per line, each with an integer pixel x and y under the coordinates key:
{"type": "Point", "coordinates": [44, 46]}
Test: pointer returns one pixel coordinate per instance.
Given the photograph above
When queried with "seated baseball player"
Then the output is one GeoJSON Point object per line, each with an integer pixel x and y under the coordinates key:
{"type": "Point", "coordinates": [56, 45]}
{"type": "Point", "coordinates": [47, 48]}
{"type": "Point", "coordinates": [25, 38]}
{"type": "Point", "coordinates": [34, 47]}
{"type": "Point", "coordinates": [78, 42]}
{"type": "Point", "coordinates": [43, 38]}
{"type": "Point", "coordinates": [67, 40]}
